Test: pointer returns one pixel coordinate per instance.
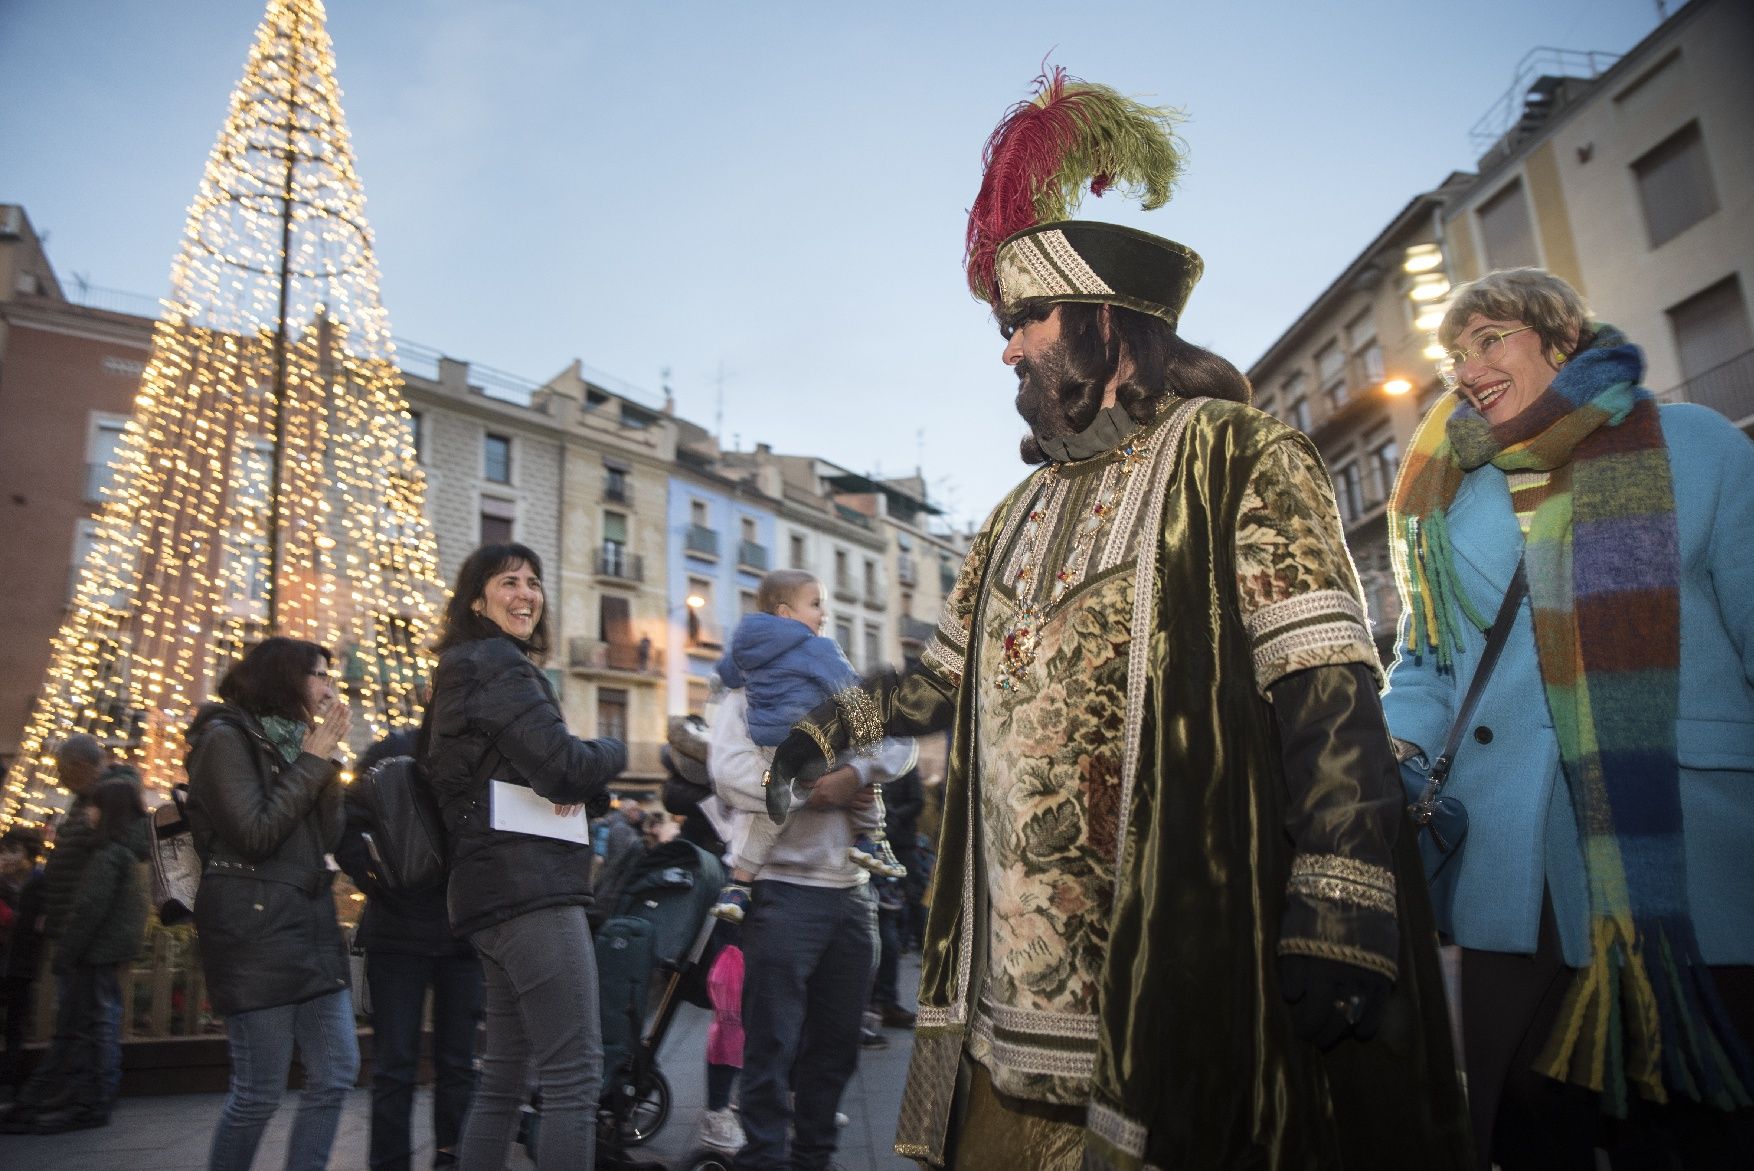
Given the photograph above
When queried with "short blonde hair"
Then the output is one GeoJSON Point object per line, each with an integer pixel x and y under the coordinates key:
{"type": "Point", "coordinates": [1532, 296]}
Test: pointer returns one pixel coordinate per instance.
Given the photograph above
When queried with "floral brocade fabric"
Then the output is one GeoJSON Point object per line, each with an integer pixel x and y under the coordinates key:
{"type": "Point", "coordinates": [1049, 803]}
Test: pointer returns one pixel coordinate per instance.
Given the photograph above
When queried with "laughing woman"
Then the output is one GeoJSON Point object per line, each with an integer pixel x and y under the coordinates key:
{"type": "Point", "coordinates": [1604, 902]}
{"type": "Point", "coordinates": [520, 898]}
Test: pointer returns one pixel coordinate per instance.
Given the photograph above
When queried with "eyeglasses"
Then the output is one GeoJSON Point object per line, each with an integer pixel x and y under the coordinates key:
{"type": "Point", "coordinates": [1485, 348]}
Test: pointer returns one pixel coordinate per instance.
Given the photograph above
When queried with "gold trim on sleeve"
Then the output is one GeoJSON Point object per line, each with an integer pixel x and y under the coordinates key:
{"type": "Point", "coordinates": [1338, 879]}
{"type": "Point", "coordinates": [861, 716]}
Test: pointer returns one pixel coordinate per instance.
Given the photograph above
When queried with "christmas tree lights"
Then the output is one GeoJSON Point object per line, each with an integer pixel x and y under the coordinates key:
{"type": "Point", "coordinates": [267, 481]}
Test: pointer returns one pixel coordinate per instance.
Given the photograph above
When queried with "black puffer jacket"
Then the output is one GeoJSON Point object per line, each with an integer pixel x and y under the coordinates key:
{"type": "Point", "coordinates": [264, 914]}
{"type": "Point", "coordinates": [490, 698]}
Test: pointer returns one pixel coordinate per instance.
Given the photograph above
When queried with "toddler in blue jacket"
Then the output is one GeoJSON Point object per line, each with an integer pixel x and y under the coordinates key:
{"type": "Point", "coordinates": [786, 668]}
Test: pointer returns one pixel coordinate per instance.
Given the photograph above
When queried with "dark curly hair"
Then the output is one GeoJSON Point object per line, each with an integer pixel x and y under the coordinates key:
{"type": "Point", "coordinates": [270, 679]}
{"type": "Point", "coordinates": [1162, 364]}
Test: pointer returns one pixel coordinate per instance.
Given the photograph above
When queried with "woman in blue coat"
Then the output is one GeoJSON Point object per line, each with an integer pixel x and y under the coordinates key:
{"type": "Point", "coordinates": [1604, 897]}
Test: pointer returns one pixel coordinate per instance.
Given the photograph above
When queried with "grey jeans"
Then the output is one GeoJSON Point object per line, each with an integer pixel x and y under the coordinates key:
{"type": "Point", "coordinates": [543, 1032]}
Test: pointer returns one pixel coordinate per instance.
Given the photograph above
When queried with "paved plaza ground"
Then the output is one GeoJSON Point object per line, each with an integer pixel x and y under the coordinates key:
{"type": "Point", "coordinates": [170, 1133]}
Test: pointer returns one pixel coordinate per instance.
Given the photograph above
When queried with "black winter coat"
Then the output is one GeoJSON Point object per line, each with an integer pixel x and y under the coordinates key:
{"type": "Point", "coordinates": [107, 922]}
{"type": "Point", "coordinates": [396, 921]}
{"type": "Point", "coordinates": [261, 825]}
{"type": "Point", "coordinates": [489, 698]}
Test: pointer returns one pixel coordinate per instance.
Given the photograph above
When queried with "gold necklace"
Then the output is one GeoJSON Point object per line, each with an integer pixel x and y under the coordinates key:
{"type": "Point", "coordinates": [1022, 641]}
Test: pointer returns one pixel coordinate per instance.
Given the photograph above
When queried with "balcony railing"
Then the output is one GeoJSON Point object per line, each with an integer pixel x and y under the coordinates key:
{"type": "Point", "coordinates": [701, 541]}
{"type": "Point", "coordinates": [592, 654]}
{"type": "Point", "coordinates": [1727, 389]}
{"type": "Point", "coordinates": [845, 590]}
{"type": "Point", "coordinates": [875, 596]}
{"type": "Point", "coordinates": [616, 561]}
{"type": "Point", "coordinates": [752, 556]}
{"type": "Point", "coordinates": [615, 491]}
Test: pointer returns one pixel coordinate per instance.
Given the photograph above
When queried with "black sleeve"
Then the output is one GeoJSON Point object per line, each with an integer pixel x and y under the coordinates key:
{"type": "Point", "coordinates": [1343, 812]}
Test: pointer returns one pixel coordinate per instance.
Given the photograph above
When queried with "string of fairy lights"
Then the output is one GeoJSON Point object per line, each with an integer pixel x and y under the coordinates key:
{"type": "Point", "coordinates": [273, 339]}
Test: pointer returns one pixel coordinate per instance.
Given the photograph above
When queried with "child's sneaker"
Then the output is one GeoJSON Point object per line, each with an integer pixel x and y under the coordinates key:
{"type": "Point", "coordinates": [875, 856]}
{"type": "Point", "coordinates": [733, 903]}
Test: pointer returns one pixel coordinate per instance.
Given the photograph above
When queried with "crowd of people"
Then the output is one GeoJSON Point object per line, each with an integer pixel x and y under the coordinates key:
{"type": "Point", "coordinates": [1181, 887]}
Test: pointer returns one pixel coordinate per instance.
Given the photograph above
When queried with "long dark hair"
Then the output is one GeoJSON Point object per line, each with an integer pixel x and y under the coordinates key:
{"type": "Point", "coordinates": [270, 679]}
{"type": "Point", "coordinates": [118, 807]}
{"type": "Point", "coordinates": [463, 624]}
{"type": "Point", "coordinates": [1162, 364]}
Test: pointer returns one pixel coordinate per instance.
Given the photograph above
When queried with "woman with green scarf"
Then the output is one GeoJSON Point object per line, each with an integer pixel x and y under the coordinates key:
{"type": "Point", "coordinates": [1603, 898]}
{"type": "Point", "coordinates": [265, 810]}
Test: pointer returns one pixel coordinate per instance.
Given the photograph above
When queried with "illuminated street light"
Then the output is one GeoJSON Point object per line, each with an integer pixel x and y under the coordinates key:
{"type": "Point", "coordinates": [1422, 258]}
{"type": "Point", "coordinates": [1396, 387]}
{"type": "Point", "coordinates": [694, 601]}
{"type": "Point", "coordinates": [1429, 287]}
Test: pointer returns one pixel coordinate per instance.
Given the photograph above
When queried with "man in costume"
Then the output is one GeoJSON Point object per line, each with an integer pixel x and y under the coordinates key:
{"type": "Point", "coordinates": [1178, 918]}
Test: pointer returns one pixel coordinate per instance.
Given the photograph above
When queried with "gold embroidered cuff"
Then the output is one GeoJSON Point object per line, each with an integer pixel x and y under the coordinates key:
{"type": "Point", "coordinates": [861, 716]}
{"type": "Point", "coordinates": [821, 738]}
{"type": "Point", "coordinates": [1362, 957]}
{"type": "Point", "coordinates": [1339, 879]}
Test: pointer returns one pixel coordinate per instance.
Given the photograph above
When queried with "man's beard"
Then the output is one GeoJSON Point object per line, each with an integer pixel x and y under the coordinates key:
{"type": "Point", "coordinates": [1038, 401]}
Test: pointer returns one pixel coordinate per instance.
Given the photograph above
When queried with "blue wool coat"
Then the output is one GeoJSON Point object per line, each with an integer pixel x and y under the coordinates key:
{"type": "Point", "coordinates": [786, 670]}
{"type": "Point", "coordinates": [1522, 831]}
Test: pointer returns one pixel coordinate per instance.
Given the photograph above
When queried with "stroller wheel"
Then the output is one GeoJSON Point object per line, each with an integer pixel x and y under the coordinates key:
{"type": "Point", "coordinates": [707, 1159]}
{"type": "Point", "coordinates": [647, 1108]}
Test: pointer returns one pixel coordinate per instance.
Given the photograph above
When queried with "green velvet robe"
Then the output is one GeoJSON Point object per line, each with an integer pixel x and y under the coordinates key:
{"type": "Point", "coordinates": [1197, 1065]}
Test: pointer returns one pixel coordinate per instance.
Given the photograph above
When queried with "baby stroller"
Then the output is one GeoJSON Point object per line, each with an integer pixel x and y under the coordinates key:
{"type": "Point", "coordinates": [653, 940]}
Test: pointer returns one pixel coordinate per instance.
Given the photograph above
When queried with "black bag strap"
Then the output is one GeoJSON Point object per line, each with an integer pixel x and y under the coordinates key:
{"type": "Point", "coordinates": [1496, 637]}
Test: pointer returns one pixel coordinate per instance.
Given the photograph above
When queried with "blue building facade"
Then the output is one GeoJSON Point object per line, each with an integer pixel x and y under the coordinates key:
{"type": "Point", "coordinates": [720, 543]}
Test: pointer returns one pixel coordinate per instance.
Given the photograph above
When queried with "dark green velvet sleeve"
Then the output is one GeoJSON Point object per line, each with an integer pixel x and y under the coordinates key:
{"type": "Point", "coordinates": [888, 703]}
{"type": "Point", "coordinates": [1343, 812]}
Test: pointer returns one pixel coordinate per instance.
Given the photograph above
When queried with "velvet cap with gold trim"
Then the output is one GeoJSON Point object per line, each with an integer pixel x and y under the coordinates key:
{"type": "Point", "coordinates": [1023, 246]}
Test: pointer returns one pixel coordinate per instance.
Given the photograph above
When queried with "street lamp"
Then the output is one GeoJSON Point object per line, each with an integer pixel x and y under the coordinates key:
{"type": "Point", "coordinates": [1397, 387]}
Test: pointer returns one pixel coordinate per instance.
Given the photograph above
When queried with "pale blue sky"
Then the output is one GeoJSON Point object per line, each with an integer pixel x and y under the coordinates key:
{"type": "Point", "coordinates": [775, 187]}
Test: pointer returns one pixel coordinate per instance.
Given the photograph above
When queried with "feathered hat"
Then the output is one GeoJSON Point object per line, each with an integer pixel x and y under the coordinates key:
{"type": "Point", "coordinates": [1023, 244]}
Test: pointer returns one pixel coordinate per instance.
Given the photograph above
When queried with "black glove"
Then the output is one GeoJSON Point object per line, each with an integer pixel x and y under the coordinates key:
{"type": "Point", "coordinates": [797, 761]}
{"type": "Point", "coordinates": [1330, 999]}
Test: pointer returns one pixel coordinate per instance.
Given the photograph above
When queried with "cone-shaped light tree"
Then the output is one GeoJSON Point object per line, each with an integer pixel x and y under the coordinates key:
{"type": "Point", "coordinates": [267, 481]}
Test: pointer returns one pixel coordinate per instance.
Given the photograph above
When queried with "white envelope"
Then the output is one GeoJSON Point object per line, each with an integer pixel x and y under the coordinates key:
{"type": "Point", "coordinates": [520, 809]}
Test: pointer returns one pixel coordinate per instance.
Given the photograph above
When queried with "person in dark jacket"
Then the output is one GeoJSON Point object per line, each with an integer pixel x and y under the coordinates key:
{"type": "Point", "coordinates": [265, 809]}
{"type": "Point", "coordinates": [21, 902]}
{"type": "Point", "coordinates": [494, 727]}
{"type": "Point", "coordinates": [80, 763]}
{"type": "Point", "coordinates": [409, 948]}
{"type": "Point", "coordinates": [101, 932]}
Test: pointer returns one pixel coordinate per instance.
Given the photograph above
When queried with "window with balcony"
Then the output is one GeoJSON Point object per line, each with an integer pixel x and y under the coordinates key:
{"type": "Point", "coordinates": [1295, 395]}
{"type": "Point", "coordinates": [495, 529]}
{"type": "Point", "coordinates": [417, 435]}
{"type": "Point", "coordinates": [843, 634]}
{"type": "Point", "coordinates": [843, 577]}
{"type": "Point", "coordinates": [615, 483]}
{"type": "Point", "coordinates": [873, 585]}
{"type": "Point", "coordinates": [1349, 491]}
{"type": "Point", "coordinates": [496, 459]}
{"type": "Point", "coordinates": [702, 631]}
{"type": "Point", "coordinates": [1331, 374]}
{"type": "Point", "coordinates": [800, 556]}
{"type": "Point", "coordinates": [1674, 185]}
{"type": "Point", "coordinates": [1385, 458]}
{"type": "Point", "coordinates": [697, 512]}
{"type": "Point", "coordinates": [1507, 233]}
{"type": "Point", "coordinates": [751, 553]}
{"type": "Point", "coordinates": [746, 603]}
{"type": "Point", "coordinates": [1362, 350]}
{"type": "Point", "coordinates": [1711, 327]}
{"type": "Point", "coordinates": [613, 559]}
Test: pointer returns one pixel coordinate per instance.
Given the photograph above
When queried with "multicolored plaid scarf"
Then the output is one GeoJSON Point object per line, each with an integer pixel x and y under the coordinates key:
{"type": "Point", "coordinates": [1603, 559]}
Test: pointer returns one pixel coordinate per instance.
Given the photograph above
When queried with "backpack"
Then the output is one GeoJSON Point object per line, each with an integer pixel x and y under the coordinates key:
{"type": "Point", "coordinates": [407, 836]}
{"type": "Point", "coordinates": [176, 869]}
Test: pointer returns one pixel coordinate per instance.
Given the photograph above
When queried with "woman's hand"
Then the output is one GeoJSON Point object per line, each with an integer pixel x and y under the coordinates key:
{"type": "Point", "coordinates": [329, 728]}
